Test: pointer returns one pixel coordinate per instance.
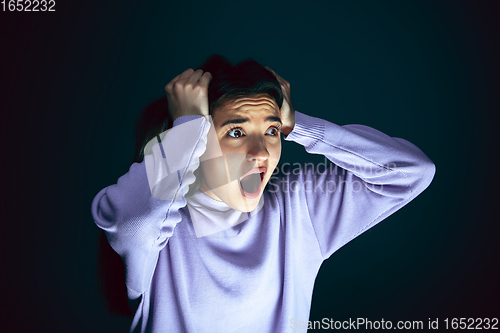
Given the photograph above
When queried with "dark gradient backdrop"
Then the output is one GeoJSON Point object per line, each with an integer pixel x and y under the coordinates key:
{"type": "Point", "coordinates": [74, 80]}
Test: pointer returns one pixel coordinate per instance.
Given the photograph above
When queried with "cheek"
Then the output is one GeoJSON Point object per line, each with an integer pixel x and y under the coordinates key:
{"type": "Point", "coordinates": [214, 172]}
{"type": "Point", "coordinates": [234, 157]}
{"type": "Point", "coordinates": [275, 153]}
{"type": "Point", "coordinates": [222, 170]}
{"type": "Point", "coordinates": [274, 158]}
{"type": "Point", "coordinates": [213, 162]}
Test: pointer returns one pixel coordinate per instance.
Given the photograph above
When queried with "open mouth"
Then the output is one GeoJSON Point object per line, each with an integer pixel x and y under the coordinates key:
{"type": "Point", "coordinates": [251, 183]}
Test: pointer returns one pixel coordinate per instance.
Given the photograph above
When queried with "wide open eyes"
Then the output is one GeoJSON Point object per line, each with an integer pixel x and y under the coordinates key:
{"type": "Point", "coordinates": [274, 131]}
{"type": "Point", "coordinates": [237, 132]}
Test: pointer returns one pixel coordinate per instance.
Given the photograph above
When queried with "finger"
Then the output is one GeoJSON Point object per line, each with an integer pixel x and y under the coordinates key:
{"type": "Point", "coordinates": [193, 79]}
{"type": "Point", "coordinates": [274, 73]}
{"type": "Point", "coordinates": [183, 78]}
{"type": "Point", "coordinates": [186, 74]}
{"type": "Point", "coordinates": [205, 79]}
{"type": "Point", "coordinates": [176, 78]}
{"type": "Point", "coordinates": [171, 83]}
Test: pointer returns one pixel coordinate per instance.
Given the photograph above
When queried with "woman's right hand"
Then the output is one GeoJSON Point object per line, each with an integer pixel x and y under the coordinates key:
{"type": "Point", "coordinates": [187, 94]}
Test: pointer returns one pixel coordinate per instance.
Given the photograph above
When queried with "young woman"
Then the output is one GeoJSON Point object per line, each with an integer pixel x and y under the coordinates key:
{"type": "Point", "coordinates": [213, 237]}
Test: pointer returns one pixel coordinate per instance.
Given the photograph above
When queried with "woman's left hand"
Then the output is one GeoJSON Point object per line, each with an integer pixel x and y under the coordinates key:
{"type": "Point", "coordinates": [287, 110]}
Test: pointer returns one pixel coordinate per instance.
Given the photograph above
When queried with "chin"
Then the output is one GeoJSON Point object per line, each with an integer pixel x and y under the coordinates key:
{"type": "Point", "coordinates": [238, 201]}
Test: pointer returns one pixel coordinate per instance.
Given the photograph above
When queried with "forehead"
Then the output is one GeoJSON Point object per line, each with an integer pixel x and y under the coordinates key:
{"type": "Point", "coordinates": [256, 105]}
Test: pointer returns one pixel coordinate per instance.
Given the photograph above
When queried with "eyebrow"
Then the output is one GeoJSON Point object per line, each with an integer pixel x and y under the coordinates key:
{"type": "Point", "coordinates": [244, 120]}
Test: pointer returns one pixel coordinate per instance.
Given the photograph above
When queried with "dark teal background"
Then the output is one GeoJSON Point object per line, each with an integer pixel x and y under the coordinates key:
{"type": "Point", "coordinates": [73, 82]}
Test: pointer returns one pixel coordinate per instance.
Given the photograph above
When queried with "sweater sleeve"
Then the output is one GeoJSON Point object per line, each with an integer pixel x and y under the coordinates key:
{"type": "Point", "coordinates": [373, 176]}
{"type": "Point", "coordinates": [139, 212]}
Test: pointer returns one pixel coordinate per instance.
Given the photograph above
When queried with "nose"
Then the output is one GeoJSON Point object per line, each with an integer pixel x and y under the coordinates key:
{"type": "Point", "coordinates": [257, 150]}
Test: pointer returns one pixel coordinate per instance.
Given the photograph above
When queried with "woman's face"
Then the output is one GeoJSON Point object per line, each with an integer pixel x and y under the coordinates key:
{"type": "Point", "coordinates": [243, 148]}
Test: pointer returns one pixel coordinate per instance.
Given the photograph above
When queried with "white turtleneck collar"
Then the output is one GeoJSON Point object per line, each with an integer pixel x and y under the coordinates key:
{"type": "Point", "coordinates": [210, 216]}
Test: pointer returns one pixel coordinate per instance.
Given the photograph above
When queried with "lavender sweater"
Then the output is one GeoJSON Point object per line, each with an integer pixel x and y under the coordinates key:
{"type": "Point", "coordinates": [200, 266]}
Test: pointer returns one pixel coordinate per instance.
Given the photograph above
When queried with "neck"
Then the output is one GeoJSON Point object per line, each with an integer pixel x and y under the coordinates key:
{"type": "Point", "coordinates": [206, 190]}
